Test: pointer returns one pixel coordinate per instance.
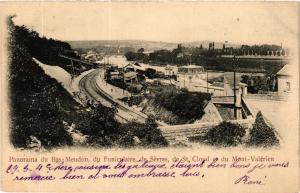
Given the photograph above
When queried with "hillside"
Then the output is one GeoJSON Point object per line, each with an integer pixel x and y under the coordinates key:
{"type": "Point", "coordinates": [47, 50]}
{"type": "Point", "coordinates": [38, 102]}
{"type": "Point", "coordinates": [124, 46]}
{"type": "Point", "coordinates": [134, 45]}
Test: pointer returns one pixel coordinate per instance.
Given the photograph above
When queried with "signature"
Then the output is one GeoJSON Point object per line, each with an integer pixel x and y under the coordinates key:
{"type": "Point", "coordinates": [249, 181]}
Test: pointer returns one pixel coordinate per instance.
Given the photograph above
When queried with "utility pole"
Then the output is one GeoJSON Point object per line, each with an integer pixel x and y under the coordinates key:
{"type": "Point", "coordinates": [207, 80]}
{"type": "Point", "coordinates": [72, 73]}
{"type": "Point", "coordinates": [123, 77]}
{"type": "Point", "coordinates": [105, 71]}
{"type": "Point", "coordinates": [234, 88]}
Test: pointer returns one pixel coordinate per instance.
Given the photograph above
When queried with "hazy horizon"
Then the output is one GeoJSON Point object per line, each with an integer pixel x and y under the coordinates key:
{"type": "Point", "coordinates": [237, 23]}
{"type": "Point", "coordinates": [234, 43]}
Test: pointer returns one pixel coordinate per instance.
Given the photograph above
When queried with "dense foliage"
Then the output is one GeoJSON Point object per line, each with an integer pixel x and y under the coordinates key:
{"type": "Point", "coordinates": [104, 131]}
{"type": "Point", "coordinates": [262, 134]}
{"type": "Point", "coordinates": [102, 128]}
{"type": "Point", "coordinates": [47, 50]}
{"type": "Point", "coordinates": [186, 105]}
{"type": "Point", "coordinates": [259, 84]}
{"type": "Point", "coordinates": [146, 135]}
{"type": "Point", "coordinates": [225, 134]}
{"type": "Point", "coordinates": [133, 100]}
{"type": "Point", "coordinates": [38, 102]}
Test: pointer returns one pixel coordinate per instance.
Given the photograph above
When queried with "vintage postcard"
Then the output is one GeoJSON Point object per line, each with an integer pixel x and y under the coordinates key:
{"type": "Point", "coordinates": [152, 97]}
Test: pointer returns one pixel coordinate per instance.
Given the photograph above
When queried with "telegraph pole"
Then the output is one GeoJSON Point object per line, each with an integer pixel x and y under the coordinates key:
{"type": "Point", "coordinates": [234, 88]}
{"type": "Point", "coordinates": [72, 73]}
{"type": "Point", "coordinates": [105, 70]}
{"type": "Point", "coordinates": [123, 77]}
{"type": "Point", "coordinates": [207, 80]}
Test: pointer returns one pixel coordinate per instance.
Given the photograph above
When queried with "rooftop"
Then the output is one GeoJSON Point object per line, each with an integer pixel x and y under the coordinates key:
{"type": "Point", "coordinates": [285, 71]}
{"type": "Point", "coordinates": [218, 84]}
{"type": "Point", "coordinates": [130, 75]}
{"type": "Point", "coordinates": [191, 66]}
{"type": "Point", "coordinates": [135, 66]}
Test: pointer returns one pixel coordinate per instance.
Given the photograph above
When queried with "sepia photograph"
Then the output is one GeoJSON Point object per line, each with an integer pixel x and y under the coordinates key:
{"type": "Point", "coordinates": [152, 76]}
{"type": "Point", "coordinates": [104, 91]}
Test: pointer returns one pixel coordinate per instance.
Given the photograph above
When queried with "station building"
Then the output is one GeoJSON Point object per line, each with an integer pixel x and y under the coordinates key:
{"type": "Point", "coordinates": [193, 78]}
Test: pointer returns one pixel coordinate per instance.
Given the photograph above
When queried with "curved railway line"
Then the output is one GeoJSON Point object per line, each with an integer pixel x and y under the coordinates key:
{"type": "Point", "coordinates": [89, 86]}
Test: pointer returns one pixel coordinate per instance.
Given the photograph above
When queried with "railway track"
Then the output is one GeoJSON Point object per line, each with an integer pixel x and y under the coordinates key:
{"type": "Point", "coordinates": [89, 86]}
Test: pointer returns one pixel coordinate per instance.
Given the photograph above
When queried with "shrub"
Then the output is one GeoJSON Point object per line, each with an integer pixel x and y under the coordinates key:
{"type": "Point", "coordinates": [225, 134]}
{"type": "Point", "coordinates": [147, 133]}
{"type": "Point", "coordinates": [104, 130]}
{"type": "Point", "coordinates": [133, 100]}
{"type": "Point", "coordinates": [262, 134]}
{"type": "Point", "coordinates": [186, 105]}
{"type": "Point", "coordinates": [151, 73]}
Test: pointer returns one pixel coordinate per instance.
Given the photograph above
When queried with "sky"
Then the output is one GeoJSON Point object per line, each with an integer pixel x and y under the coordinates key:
{"type": "Point", "coordinates": [247, 23]}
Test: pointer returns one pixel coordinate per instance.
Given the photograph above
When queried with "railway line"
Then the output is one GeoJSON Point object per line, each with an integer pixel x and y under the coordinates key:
{"type": "Point", "coordinates": [89, 86]}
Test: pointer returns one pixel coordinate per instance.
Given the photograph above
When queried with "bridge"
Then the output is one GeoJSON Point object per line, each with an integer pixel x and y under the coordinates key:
{"type": "Point", "coordinates": [76, 60]}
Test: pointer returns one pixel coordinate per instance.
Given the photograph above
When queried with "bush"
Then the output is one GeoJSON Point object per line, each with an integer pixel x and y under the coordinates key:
{"type": "Point", "coordinates": [262, 134]}
{"type": "Point", "coordinates": [225, 134]}
{"type": "Point", "coordinates": [151, 73]}
{"type": "Point", "coordinates": [133, 100]}
{"type": "Point", "coordinates": [186, 105]}
{"type": "Point", "coordinates": [148, 134]}
{"type": "Point", "coordinates": [103, 130]}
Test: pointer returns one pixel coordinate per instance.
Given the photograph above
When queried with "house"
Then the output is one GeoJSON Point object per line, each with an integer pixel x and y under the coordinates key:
{"type": "Point", "coordinates": [130, 77]}
{"type": "Point", "coordinates": [284, 79]}
{"type": "Point", "coordinates": [115, 75]}
{"type": "Point", "coordinates": [134, 67]}
{"type": "Point", "coordinates": [171, 70]}
{"type": "Point", "coordinates": [193, 78]}
{"type": "Point", "coordinates": [138, 69]}
{"type": "Point", "coordinates": [190, 74]}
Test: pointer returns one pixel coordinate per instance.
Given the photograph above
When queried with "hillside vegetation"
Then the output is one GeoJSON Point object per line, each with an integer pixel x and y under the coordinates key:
{"type": "Point", "coordinates": [38, 102]}
{"type": "Point", "coordinates": [185, 106]}
{"type": "Point", "coordinates": [43, 112]}
{"type": "Point", "coordinates": [47, 50]}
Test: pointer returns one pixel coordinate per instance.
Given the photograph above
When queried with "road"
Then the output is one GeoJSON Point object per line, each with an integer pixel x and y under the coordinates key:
{"type": "Point", "coordinates": [88, 85]}
{"type": "Point", "coordinates": [279, 113]}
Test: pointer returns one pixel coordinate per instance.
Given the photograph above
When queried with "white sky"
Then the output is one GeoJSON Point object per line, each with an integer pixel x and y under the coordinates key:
{"type": "Point", "coordinates": [164, 21]}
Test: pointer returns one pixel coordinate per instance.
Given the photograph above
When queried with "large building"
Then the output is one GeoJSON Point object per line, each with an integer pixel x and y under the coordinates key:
{"type": "Point", "coordinates": [187, 75]}
{"type": "Point", "coordinates": [193, 78]}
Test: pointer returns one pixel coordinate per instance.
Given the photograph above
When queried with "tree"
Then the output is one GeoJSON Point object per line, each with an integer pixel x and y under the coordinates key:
{"type": "Point", "coordinates": [262, 134]}
{"type": "Point", "coordinates": [225, 134]}
{"type": "Point", "coordinates": [104, 129]}
{"type": "Point", "coordinates": [186, 105]}
{"type": "Point", "coordinates": [141, 50]}
{"type": "Point", "coordinates": [151, 73]}
{"type": "Point", "coordinates": [148, 134]}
